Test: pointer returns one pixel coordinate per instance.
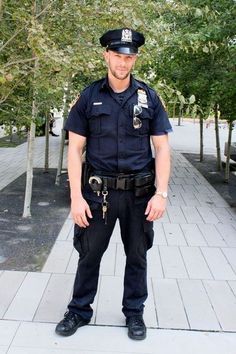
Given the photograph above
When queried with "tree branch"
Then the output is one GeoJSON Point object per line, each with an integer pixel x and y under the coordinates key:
{"type": "Point", "coordinates": [4, 98]}
{"type": "Point", "coordinates": [11, 39]}
{"type": "Point", "coordinates": [20, 62]}
{"type": "Point", "coordinates": [20, 30]}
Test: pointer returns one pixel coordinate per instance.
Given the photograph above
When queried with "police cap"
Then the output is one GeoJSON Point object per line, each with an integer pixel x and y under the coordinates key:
{"type": "Point", "coordinates": [124, 40]}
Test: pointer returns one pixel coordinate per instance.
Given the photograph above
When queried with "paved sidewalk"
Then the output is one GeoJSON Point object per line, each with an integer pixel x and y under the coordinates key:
{"type": "Point", "coordinates": [192, 284]}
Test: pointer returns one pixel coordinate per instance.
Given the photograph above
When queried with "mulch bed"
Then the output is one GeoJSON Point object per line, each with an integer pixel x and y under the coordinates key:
{"type": "Point", "coordinates": [26, 243]}
{"type": "Point", "coordinates": [216, 178]}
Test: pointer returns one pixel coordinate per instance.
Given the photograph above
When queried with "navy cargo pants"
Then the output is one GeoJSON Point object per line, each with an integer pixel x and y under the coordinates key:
{"type": "Point", "coordinates": [91, 243]}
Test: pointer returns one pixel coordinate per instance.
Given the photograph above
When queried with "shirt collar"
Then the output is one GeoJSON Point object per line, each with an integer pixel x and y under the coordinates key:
{"type": "Point", "coordinates": [134, 84]}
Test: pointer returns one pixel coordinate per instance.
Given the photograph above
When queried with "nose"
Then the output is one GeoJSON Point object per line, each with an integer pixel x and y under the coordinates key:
{"type": "Point", "coordinates": [122, 63]}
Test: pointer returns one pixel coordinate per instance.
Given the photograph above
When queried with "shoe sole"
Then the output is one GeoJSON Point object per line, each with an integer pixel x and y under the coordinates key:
{"type": "Point", "coordinates": [67, 334]}
{"type": "Point", "coordinates": [137, 337]}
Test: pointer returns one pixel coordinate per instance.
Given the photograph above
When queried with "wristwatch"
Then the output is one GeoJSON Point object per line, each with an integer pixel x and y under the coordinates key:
{"type": "Point", "coordinates": [162, 194]}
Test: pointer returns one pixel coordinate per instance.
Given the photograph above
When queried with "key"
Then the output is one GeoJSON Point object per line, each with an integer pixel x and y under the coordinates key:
{"type": "Point", "coordinates": [104, 205]}
{"type": "Point", "coordinates": [104, 209]}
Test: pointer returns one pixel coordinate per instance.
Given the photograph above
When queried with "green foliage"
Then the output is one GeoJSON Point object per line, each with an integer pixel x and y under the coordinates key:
{"type": "Point", "coordinates": [199, 53]}
{"type": "Point", "coordinates": [190, 50]}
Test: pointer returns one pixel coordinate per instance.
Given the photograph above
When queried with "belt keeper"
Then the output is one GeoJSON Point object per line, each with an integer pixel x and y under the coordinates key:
{"type": "Point", "coordinates": [105, 184]}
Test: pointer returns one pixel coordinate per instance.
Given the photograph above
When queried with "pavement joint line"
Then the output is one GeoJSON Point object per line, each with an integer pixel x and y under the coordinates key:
{"type": "Point", "coordinates": [14, 336]}
{"type": "Point", "coordinates": [202, 192]}
{"type": "Point", "coordinates": [124, 326]}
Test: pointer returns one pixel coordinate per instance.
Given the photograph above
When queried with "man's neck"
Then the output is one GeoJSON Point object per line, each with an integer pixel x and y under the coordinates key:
{"type": "Point", "coordinates": [118, 85]}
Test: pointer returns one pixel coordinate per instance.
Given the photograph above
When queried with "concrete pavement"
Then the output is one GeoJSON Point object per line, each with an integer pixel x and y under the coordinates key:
{"type": "Point", "coordinates": [192, 280]}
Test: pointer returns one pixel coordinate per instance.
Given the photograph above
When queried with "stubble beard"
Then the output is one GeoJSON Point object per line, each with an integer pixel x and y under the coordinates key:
{"type": "Point", "coordinates": [120, 76]}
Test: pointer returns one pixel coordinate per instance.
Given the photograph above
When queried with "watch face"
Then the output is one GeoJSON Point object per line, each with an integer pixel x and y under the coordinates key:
{"type": "Point", "coordinates": [164, 194]}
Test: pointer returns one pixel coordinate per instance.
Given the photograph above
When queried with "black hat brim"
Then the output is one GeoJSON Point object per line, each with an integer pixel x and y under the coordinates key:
{"type": "Point", "coordinates": [124, 50]}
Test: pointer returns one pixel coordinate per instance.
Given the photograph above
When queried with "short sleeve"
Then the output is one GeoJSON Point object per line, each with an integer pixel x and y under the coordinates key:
{"type": "Point", "coordinates": [160, 124]}
{"type": "Point", "coordinates": [77, 120]}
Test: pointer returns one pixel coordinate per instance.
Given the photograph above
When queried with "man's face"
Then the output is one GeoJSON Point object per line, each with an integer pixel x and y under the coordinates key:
{"type": "Point", "coordinates": [119, 65]}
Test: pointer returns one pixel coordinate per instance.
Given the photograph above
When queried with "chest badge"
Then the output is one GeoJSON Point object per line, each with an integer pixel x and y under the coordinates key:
{"type": "Point", "coordinates": [142, 98]}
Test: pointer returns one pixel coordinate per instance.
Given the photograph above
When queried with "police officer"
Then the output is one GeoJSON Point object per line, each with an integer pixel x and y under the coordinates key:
{"type": "Point", "coordinates": [115, 117]}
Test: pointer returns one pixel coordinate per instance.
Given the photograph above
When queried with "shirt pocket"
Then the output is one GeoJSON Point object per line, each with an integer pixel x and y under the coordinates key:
{"type": "Point", "coordinates": [98, 116]}
{"type": "Point", "coordinates": [145, 117]}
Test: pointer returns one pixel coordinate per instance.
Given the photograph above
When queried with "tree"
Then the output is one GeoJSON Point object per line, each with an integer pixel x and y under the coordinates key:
{"type": "Point", "coordinates": [199, 40]}
{"type": "Point", "coordinates": [43, 49]}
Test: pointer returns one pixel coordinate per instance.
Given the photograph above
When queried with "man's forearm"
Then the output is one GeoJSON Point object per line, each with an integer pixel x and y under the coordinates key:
{"type": "Point", "coordinates": [162, 167]}
{"type": "Point", "coordinates": [74, 172]}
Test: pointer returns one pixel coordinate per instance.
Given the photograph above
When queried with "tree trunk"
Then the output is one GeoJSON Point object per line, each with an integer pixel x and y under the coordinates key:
{"type": "Point", "coordinates": [60, 160]}
{"type": "Point", "coordinates": [46, 160]}
{"type": "Point", "coordinates": [63, 134]}
{"type": "Point", "coordinates": [180, 115]}
{"type": "Point", "coordinates": [31, 139]}
{"type": "Point", "coordinates": [218, 154]}
{"type": "Point", "coordinates": [1, 9]}
{"type": "Point", "coordinates": [11, 132]}
{"type": "Point", "coordinates": [227, 165]}
{"type": "Point", "coordinates": [174, 110]}
{"type": "Point", "coordinates": [29, 171]}
{"type": "Point", "coordinates": [201, 138]}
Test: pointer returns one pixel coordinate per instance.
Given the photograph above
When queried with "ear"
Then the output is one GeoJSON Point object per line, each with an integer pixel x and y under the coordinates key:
{"type": "Point", "coordinates": [106, 56]}
{"type": "Point", "coordinates": [135, 58]}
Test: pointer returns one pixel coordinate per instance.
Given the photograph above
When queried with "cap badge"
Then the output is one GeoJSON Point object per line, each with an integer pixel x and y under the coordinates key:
{"type": "Point", "coordinates": [126, 35]}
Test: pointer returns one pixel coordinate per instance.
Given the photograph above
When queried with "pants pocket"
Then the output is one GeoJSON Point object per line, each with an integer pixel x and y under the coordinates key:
{"type": "Point", "coordinates": [80, 240]}
{"type": "Point", "coordinates": [148, 232]}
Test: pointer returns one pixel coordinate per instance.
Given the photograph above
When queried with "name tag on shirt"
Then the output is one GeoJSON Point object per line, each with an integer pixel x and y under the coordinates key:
{"type": "Point", "coordinates": [97, 103]}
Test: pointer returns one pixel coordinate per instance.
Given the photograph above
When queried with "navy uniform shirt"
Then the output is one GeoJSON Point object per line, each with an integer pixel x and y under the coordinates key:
{"type": "Point", "coordinates": [106, 120]}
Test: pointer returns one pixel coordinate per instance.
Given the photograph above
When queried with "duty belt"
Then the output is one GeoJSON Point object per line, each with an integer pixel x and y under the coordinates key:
{"type": "Point", "coordinates": [100, 182]}
{"type": "Point", "coordinates": [141, 183]}
{"type": "Point", "coordinates": [124, 183]}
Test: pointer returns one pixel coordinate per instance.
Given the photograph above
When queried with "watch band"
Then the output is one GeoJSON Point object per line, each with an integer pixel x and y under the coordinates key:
{"type": "Point", "coordinates": [162, 194]}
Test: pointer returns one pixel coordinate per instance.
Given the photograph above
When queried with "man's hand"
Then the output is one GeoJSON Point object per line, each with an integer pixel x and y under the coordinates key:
{"type": "Point", "coordinates": [80, 211]}
{"type": "Point", "coordinates": [155, 208]}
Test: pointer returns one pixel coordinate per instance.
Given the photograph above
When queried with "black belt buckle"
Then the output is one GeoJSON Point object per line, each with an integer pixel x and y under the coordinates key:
{"type": "Point", "coordinates": [120, 183]}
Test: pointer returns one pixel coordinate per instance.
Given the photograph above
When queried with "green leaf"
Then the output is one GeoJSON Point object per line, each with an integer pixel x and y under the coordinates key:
{"type": "Point", "coordinates": [205, 49]}
{"type": "Point", "coordinates": [192, 99]}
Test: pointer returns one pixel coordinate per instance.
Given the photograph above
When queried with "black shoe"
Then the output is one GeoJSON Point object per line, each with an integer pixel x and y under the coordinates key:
{"type": "Point", "coordinates": [53, 134]}
{"type": "Point", "coordinates": [70, 323]}
{"type": "Point", "coordinates": [136, 327]}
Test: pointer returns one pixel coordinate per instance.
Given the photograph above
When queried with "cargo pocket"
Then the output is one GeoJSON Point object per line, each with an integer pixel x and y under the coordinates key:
{"type": "Point", "coordinates": [80, 241]}
{"type": "Point", "coordinates": [148, 232]}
